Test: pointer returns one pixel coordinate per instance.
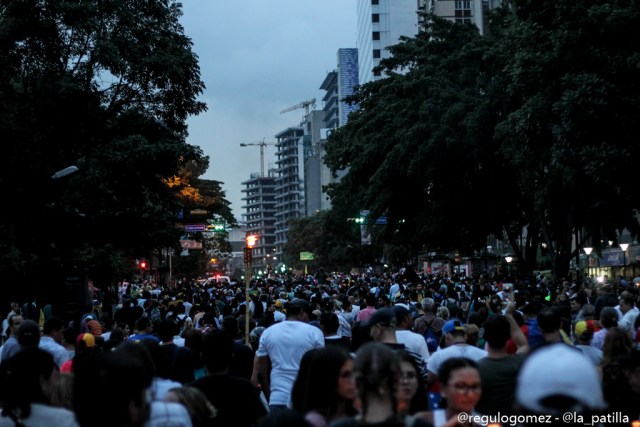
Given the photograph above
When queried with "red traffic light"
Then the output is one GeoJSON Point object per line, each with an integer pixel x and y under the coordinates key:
{"type": "Point", "coordinates": [143, 265]}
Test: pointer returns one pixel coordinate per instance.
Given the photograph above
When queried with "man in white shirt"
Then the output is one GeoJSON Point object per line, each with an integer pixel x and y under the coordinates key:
{"type": "Point", "coordinates": [629, 313]}
{"type": "Point", "coordinates": [51, 339]}
{"type": "Point", "coordinates": [280, 350]}
{"type": "Point", "coordinates": [404, 335]}
{"type": "Point", "coordinates": [456, 346]}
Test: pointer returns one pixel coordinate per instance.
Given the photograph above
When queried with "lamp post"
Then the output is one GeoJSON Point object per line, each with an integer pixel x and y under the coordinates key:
{"type": "Point", "coordinates": [251, 240]}
{"type": "Point", "coordinates": [624, 247]}
{"type": "Point", "coordinates": [508, 258]}
{"type": "Point", "coordinates": [587, 250]}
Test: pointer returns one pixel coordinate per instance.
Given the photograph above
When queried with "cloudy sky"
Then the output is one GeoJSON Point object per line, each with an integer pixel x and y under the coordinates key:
{"type": "Point", "coordinates": [258, 57]}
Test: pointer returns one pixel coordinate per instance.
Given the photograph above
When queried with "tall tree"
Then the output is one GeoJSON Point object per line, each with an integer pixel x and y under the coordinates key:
{"type": "Point", "coordinates": [106, 86]}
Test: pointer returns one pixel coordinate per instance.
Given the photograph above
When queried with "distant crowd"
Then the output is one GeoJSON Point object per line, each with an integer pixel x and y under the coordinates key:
{"type": "Point", "coordinates": [388, 349]}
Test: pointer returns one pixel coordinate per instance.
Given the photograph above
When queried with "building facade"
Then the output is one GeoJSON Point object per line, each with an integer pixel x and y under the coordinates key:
{"type": "Point", "coordinates": [259, 217]}
{"type": "Point", "coordinates": [380, 25]}
{"type": "Point", "coordinates": [289, 197]}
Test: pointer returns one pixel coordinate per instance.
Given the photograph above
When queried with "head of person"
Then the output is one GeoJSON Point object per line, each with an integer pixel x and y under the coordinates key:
{"type": "Point", "coordinates": [25, 379]}
{"type": "Point", "coordinates": [217, 351]}
{"type": "Point", "coordinates": [452, 331]}
{"type": "Point", "coordinates": [299, 309]}
{"type": "Point", "coordinates": [608, 317]}
{"type": "Point", "coordinates": [167, 329]}
{"type": "Point", "coordinates": [382, 323]}
{"type": "Point", "coordinates": [497, 331]}
{"type": "Point", "coordinates": [200, 409]}
{"type": "Point", "coordinates": [329, 323]}
{"type": "Point", "coordinates": [120, 377]}
{"type": "Point", "coordinates": [428, 305]}
{"type": "Point", "coordinates": [460, 384]}
{"type": "Point", "coordinates": [404, 319]}
{"type": "Point", "coordinates": [556, 379]}
{"type": "Point", "coordinates": [412, 392]}
{"type": "Point", "coordinates": [325, 383]}
{"type": "Point", "coordinates": [627, 302]}
{"type": "Point", "coordinates": [377, 369]}
{"type": "Point", "coordinates": [14, 323]}
{"type": "Point", "coordinates": [28, 334]}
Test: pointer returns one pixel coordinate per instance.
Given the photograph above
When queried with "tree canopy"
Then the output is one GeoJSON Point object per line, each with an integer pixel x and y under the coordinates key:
{"type": "Point", "coordinates": [108, 87]}
{"type": "Point", "coordinates": [529, 127]}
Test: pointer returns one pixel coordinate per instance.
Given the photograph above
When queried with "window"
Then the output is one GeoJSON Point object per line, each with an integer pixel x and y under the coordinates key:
{"type": "Point", "coordinates": [376, 35]}
{"type": "Point", "coordinates": [374, 2]}
{"type": "Point", "coordinates": [376, 53]}
{"type": "Point", "coordinates": [375, 17]}
{"type": "Point", "coordinates": [377, 73]}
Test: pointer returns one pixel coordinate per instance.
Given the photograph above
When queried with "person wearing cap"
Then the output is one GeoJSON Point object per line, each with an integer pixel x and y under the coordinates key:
{"type": "Point", "coordinates": [456, 346]}
{"type": "Point", "coordinates": [404, 335]}
{"type": "Point", "coordinates": [278, 315]}
{"type": "Point", "coordinates": [557, 379]}
{"type": "Point", "coordinates": [382, 328]}
{"type": "Point", "coordinates": [279, 352]}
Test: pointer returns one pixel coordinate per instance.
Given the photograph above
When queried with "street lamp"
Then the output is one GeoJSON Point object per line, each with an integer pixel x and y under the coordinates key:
{"type": "Point", "coordinates": [587, 250]}
{"type": "Point", "coordinates": [624, 247]}
{"type": "Point", "coordinates": [508, 258]}
{"type": "Point", "coordinates": [64, 172]}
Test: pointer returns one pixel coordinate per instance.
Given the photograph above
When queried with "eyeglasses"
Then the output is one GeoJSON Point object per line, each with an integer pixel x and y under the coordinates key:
{"type": "Point", "coordinates": [409, 376]}
{"type": "Point", "coordinates": [466, 388]}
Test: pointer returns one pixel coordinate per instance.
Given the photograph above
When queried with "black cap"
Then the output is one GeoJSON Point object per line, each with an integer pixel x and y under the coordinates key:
{"type": "Point", "coordinates": [28, 333]}
{"type": "Point", "coordinates": [383, 317]}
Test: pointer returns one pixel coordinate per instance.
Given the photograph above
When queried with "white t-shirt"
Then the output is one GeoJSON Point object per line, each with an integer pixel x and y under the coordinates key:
{"type": "Point", "coordinates": [44, 415]}
{"type": "Point", "coordinates": [285, 343]}
{"type": "Point", "coordinates": [413, 342]}
{"type": "Point", "coordinates": [455, 350]}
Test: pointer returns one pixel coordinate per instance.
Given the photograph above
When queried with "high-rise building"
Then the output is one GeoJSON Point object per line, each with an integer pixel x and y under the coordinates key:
{"type": "Point", "coordinates": [290, 146]}
{"type": "Point", "coordinates": [259, 218]}
{"type": "Point", "coordinates": [471, 11]}
{"type": "Point", "coordinates": [380, 25]}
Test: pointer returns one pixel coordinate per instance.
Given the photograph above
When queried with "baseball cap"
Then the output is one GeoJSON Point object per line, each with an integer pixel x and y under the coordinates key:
{"type": "Point", "coordinates": [88, 339]}
{"type": "Point", "coordinates": [452, 325]}
{"type": "Point", "coordinates": [556, 371]}
{"type": "Point", "coordinates": [383, 317]}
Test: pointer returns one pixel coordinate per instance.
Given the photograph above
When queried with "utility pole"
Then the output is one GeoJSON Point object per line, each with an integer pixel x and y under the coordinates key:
{"type": "Point", "coordinates": [261, 144]}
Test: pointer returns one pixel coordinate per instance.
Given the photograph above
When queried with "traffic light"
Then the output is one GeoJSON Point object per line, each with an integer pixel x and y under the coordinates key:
{"type": "Point", "coordinates": [251, 239]}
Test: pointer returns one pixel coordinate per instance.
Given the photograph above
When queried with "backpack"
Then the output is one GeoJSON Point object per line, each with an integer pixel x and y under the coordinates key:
{"type": "Point", "coordinates": [430, 337]}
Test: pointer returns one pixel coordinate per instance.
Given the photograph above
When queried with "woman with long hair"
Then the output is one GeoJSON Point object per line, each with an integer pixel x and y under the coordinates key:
{"type": "Point", "coordinates": [615, 383]}
{"type": "Point", "coordinates": [412, 390]}
{"type": "Point", "coordinates": [460, 388]}
{"type": "Point", "coordinates": [325, 389]}
{"type": "Point", "coordinates": [377, 374]}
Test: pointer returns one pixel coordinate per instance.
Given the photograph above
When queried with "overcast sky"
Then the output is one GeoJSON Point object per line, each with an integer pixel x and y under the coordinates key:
{"type": "Point", "coordinates": [258, 57]}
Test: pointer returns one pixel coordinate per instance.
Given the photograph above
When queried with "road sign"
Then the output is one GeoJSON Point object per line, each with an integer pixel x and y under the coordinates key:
{"type": "Point", "coordinates": [306, 256]}
{"type": "Point", "coordinates": [194, 228]}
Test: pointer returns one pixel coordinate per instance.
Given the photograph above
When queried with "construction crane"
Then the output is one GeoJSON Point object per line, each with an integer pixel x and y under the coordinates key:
{"type": "Point", "coordinates": [261, 144]}
{"type": "Point", "coordinates": [303, 104]}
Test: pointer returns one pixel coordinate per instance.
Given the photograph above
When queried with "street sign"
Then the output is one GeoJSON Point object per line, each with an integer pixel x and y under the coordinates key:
{"type": "Point", "coordinates": [194, 228]}
{"type": "Point", "coordinates": [306, 256]}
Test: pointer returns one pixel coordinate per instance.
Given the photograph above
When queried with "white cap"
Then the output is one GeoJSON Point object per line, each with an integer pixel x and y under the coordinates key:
{"type": "Point", "coordinates": [559, 370]}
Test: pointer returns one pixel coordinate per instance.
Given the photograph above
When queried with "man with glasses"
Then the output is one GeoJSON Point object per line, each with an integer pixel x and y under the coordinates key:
{"type": "Point", "coordinates": [12, 346]}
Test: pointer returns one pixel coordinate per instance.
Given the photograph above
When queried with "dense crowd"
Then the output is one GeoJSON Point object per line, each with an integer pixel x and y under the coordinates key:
{"type": "Point", "coordinates": [396, 349]}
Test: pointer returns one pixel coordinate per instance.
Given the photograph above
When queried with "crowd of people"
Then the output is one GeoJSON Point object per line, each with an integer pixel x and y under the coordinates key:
{"type": "Point", "coordinates": [342, 350]}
